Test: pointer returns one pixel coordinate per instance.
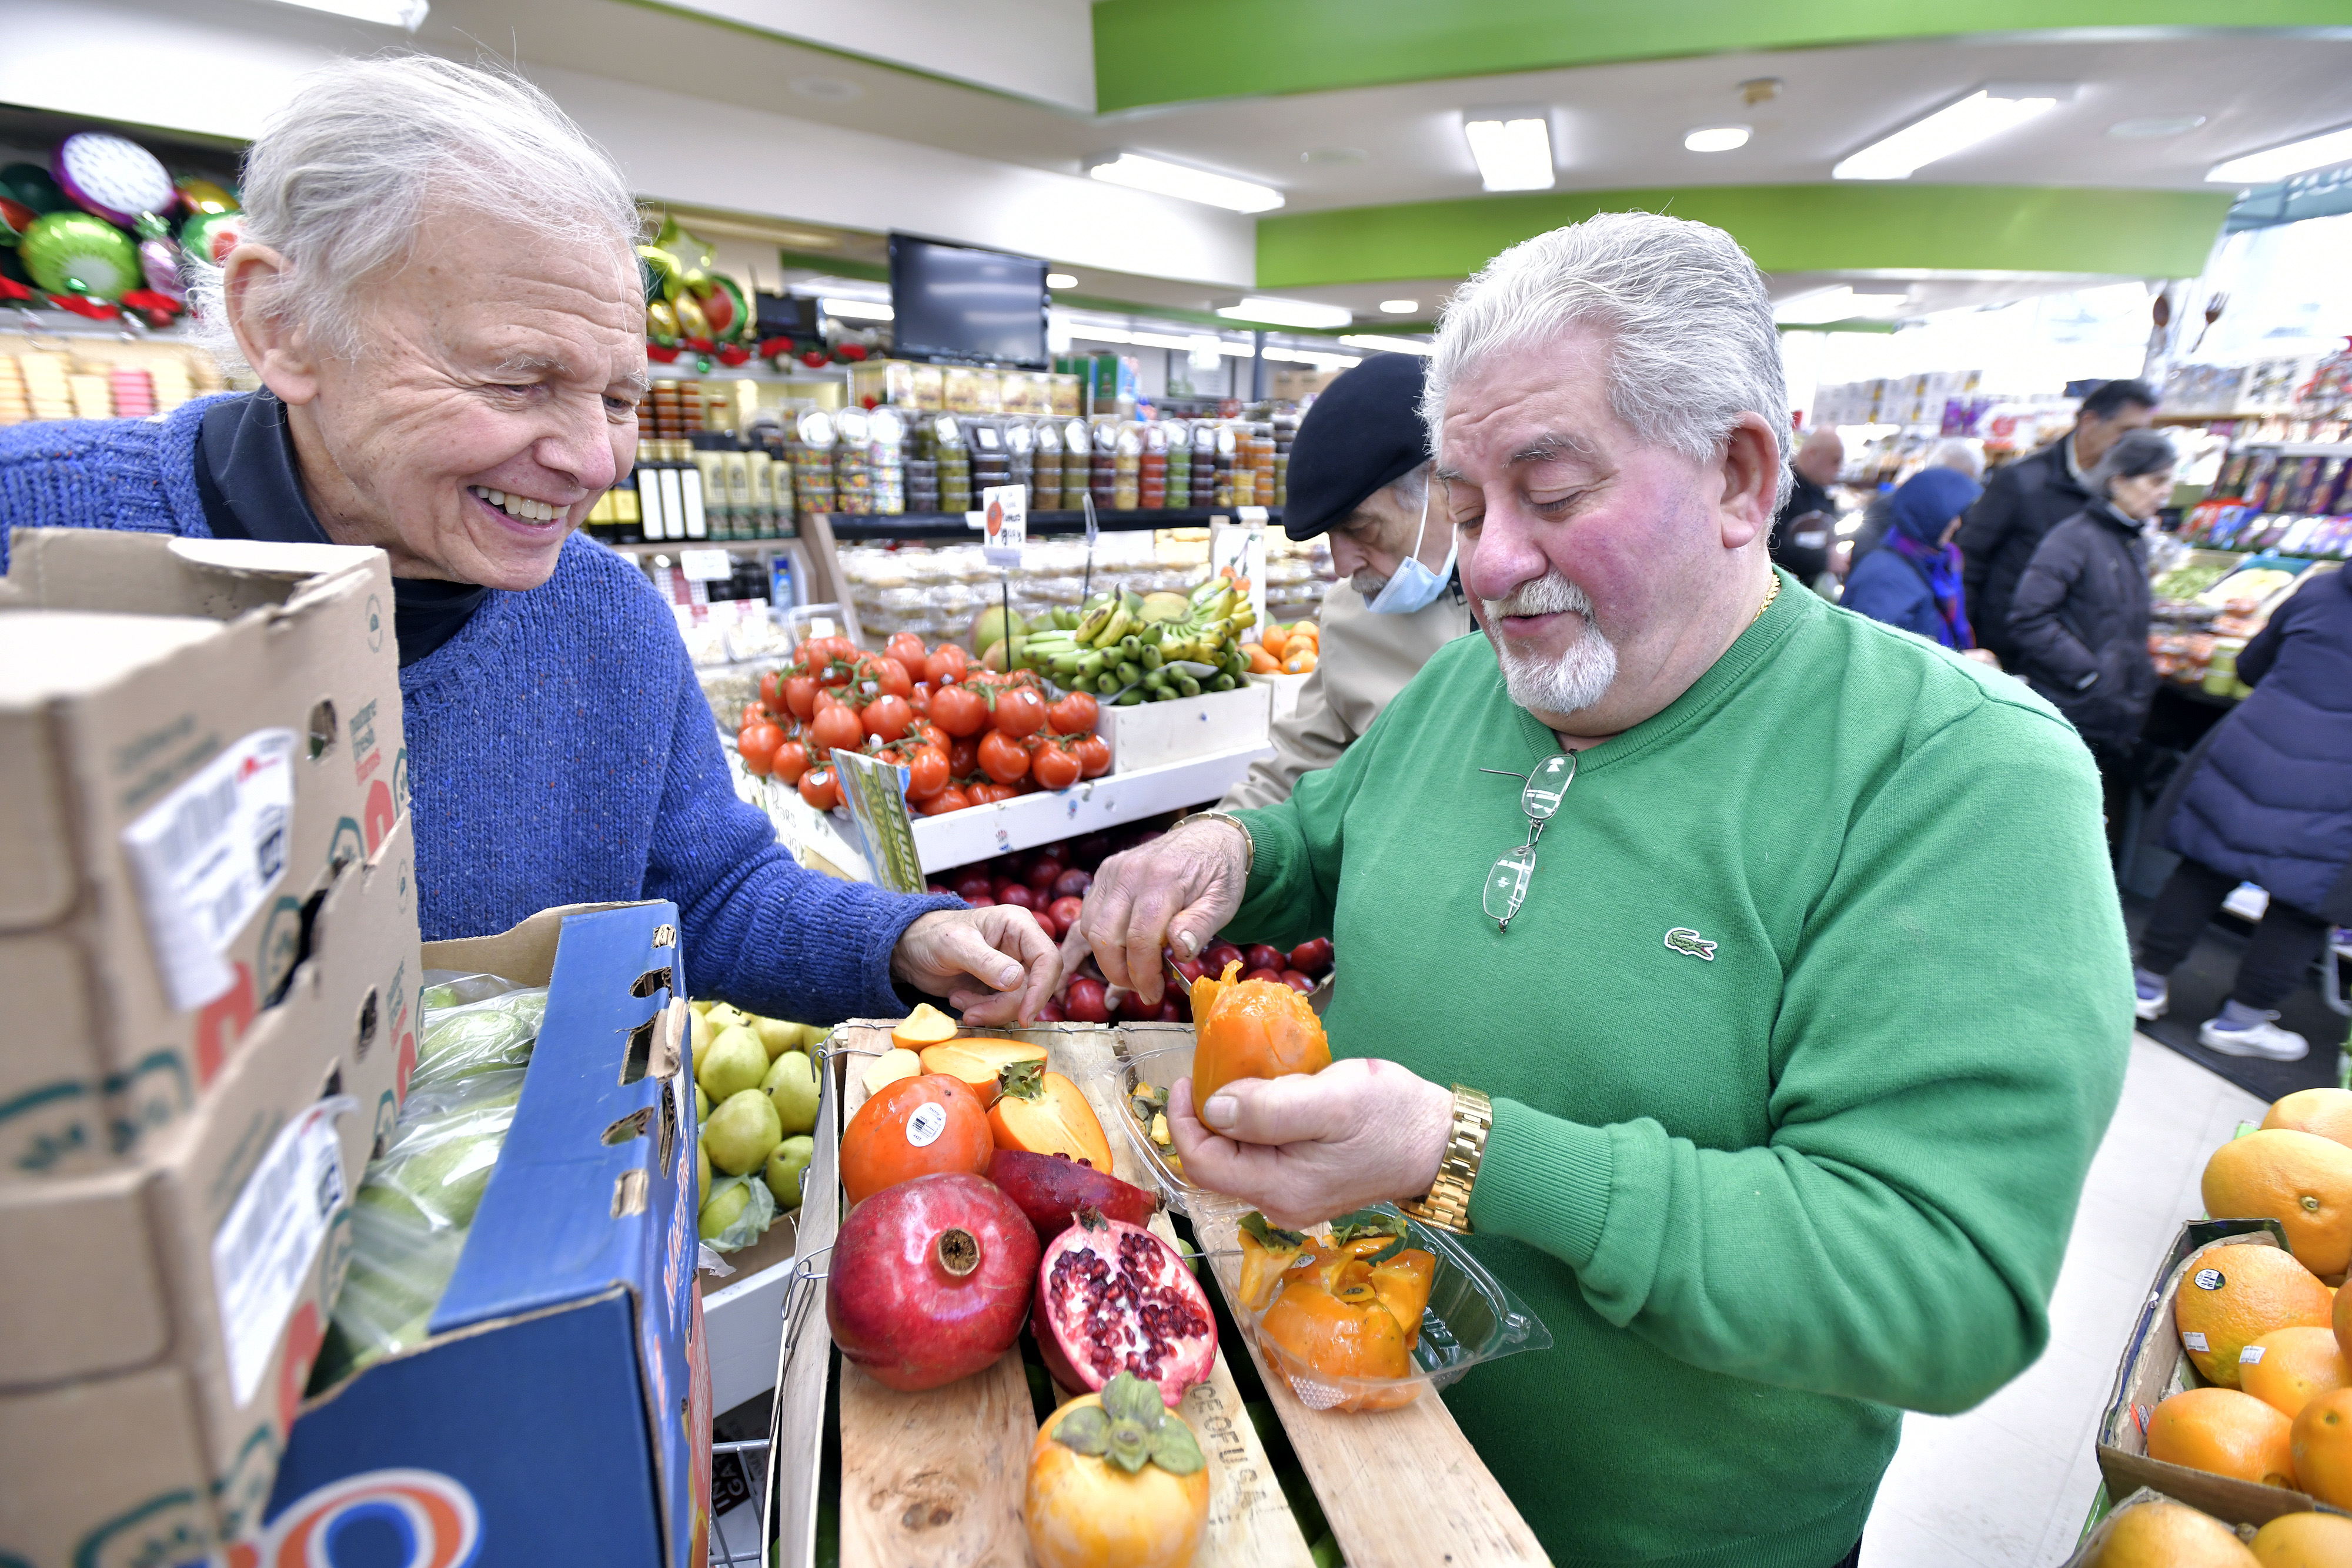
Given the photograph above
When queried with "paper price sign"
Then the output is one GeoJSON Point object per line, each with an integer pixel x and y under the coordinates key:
{"type": "Point", "coordinates": [1004, 523]}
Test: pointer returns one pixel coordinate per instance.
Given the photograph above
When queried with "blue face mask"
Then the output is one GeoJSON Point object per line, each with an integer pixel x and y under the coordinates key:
{"type": "Point", "coordinates": [1414, 587]}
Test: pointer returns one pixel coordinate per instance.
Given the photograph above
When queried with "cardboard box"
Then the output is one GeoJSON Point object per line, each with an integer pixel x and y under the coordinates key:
{"type": "Point", "coordinates": [1151, 734]}
{"type": "Point", "coordinates": [2154, 1365]}
{"type": "Point", "coordinates": [163, 1319]}
{"type": "Point", "coordinates": [560, 1410]}
{"type": "Point", "coordinates": [193, 735]}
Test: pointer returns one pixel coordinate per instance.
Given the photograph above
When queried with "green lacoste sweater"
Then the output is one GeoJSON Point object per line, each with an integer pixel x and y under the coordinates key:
{"type": "Point", "coordinates": [1799, 1047]}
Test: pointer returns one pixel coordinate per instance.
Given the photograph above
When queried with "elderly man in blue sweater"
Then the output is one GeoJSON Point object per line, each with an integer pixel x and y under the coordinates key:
{"type": "Point", "coordinates": [437, 290]}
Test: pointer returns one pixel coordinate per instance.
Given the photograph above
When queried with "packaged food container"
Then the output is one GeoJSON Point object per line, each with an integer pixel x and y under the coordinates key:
{"type": "Point", "coordinates": [1472, 1317]}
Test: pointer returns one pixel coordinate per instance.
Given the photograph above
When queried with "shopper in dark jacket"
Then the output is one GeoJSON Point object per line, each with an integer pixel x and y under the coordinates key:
{"type": "Point", "coordinates": [1806, 525]}
{"type": "Point", "coordinates": [2023, 502]}
{"type": "Point", "coordinates": [1913, 582]}
{"type": "Point", "coordinates": [2270, 802]}
{"type": "Point", "coordinates": [2078, 624]}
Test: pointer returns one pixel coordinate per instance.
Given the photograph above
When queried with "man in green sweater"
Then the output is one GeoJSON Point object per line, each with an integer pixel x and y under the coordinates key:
{"type": "Point", "coordinates": [1793, 979]}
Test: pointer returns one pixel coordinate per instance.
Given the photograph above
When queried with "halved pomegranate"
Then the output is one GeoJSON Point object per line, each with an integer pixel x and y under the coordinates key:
{"type": "Point", "coordinates": [929, 1280]}
{"type": "Point", "coordinates": [1113, 1298]}
{"type": "Point", "coordinates": [1052, 1188]}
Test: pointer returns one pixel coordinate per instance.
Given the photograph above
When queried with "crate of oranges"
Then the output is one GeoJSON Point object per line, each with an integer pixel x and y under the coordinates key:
{"type": "Point", "coordinates": [2148, 1529]}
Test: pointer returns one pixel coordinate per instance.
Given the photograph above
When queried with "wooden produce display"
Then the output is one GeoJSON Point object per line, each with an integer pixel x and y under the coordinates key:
{"type": "Point", "coordinates": [937, 1477]}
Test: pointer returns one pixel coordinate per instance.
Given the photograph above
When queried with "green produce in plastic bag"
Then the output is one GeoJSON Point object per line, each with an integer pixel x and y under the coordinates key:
{"type": "Point", "coordinates": [437, 1167]}
{"type": "Point", "coordinates": [483, 1036]}
{"type": "Point", "coordinates": [738, 1213]}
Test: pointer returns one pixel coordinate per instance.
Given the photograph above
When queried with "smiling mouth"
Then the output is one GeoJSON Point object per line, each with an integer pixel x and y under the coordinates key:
{"type": "Point", "coordinates": [518, 508]}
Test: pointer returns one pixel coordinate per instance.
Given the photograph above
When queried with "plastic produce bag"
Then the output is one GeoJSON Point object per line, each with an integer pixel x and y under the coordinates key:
{"type": "Point", "coordinates": [759, 1212]}
{"type": "Point", "coordinates": [476, 1032]}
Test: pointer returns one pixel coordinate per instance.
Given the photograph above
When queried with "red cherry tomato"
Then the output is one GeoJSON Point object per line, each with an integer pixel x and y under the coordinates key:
{"type": "Point", "coordinates": [946, 665]}
{"type": "Point", "coordinates": [963, 759]}
{"type": "Point", "coordinates": [758, 745]}
{"type": "Point", "coordinates": [1055, 768]}
{"type": "Point", "coordinates": [790, 762]}
{"type": "Point", "coordinates": [927, 773]}
{"type": "Point", "coordinates": [800, 697]}
{"type": "Point", "coordinates": [837, 726]}
{"type": "Point", "coordinates": [907, 649]}
{"type": "Point", "coordinates": [890, 676]}
{"type": "Point", "coordinates": [820, 789]}
{"type": "Point", "coordinates": [1094, 756]}
{"type": "Point", "coordinates": [959, 710]}
{"type": "Point", "coordinates": [1020, 712]}
{"type": "Point", "coordinates": [950, 799]}
{"type": "Point", "coordinates": [1073, 715]}
{"type": "Point", "coordinates": [923, 732]}
{"type": "Point", "coordinates": [886, 717]}
{"type": "Point", "coordinates": [920, 700]}
{"type": "Point", "coordinates": [767, 690]}
{"type": "Point", "coordinates": [1001, 757]}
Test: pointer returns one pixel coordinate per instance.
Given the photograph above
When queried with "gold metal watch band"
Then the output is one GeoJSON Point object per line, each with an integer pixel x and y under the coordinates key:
{"type": "Point", "coordinates": [1249, 839]}
{"type": "Point", "coordinates": [1447, 1204]}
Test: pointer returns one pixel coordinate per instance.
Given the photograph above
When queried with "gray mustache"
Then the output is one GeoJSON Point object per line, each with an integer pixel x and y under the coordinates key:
{"type": "Point", "coordinates": [1550, 594]}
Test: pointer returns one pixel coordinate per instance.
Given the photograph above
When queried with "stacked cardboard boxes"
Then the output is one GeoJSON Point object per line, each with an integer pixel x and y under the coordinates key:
{"type": "Point", "coordinates": [208, 933]}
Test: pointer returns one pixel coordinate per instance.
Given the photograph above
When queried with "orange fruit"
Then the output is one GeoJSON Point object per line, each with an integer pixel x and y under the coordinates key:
{"type": "Point", "coordinates": [2225, 1433]}
{"type": "Point", "coordinates": [925, 1026]}
{"type": "Point", "coordinates": [2322, 1447]}
{"type": "Point", "coordinates": [2344, 1321]}
{"type": "Point", "coordinates": [2325, 1112]}
{"type": "Point", "coordinates": [1255, 1029]}
{"type": "Point", "coordinates": [2171, 1536]}
{"type": "Point", "coordinates": [2231, 1295]}
{"type": "Point", "coordinates": [2304, 1541]}
{"type": "Point", "coordinates": [1045, 1113]}
{"type": "Point", "coordinates": [2291, 1367]}
{"type": "Point", "coordinates": [2300, 1179]}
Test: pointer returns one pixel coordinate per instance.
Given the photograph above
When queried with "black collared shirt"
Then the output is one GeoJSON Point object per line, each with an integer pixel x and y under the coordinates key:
{"type": "Point", "coordinates": [251, 490]}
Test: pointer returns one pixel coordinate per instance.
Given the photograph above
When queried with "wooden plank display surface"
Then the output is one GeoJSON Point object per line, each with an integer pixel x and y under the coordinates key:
{"type": "Point", "coordinates": [935, 1479]}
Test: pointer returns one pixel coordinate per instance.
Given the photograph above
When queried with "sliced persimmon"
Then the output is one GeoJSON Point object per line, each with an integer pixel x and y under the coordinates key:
{"type": "Point", "coordinates": [980, 1059]}
{"type": "Point", "coordinates": [1045, 1113]}
{"type": "Point", "coordinates": [925, 1026]}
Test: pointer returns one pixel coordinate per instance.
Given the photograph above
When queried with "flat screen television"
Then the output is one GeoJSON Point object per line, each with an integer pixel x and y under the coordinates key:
{"type": "Point", "coordinates": [953, 302]}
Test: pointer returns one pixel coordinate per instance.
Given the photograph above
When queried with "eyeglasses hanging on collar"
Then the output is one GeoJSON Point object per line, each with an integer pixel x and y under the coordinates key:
{"type": "Point", "coordinates": [1507, 883]}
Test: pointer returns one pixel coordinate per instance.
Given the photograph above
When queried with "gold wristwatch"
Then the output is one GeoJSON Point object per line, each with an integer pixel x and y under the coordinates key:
{"type": "Point", "coordinates": [1249, 839]}
{"type": "Point", "coordinates": [1447, 1204]}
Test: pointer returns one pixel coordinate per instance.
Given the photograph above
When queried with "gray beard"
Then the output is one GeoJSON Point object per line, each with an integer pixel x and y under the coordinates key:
{"type": "Point", "coordinates": [1368, 583]}
{"type": "Point", "coordinates": [1576, 680]}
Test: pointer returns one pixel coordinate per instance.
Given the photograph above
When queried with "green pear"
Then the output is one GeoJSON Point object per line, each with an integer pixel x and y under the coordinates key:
{"type": "Point", "coordinates": [784, 1169]}
{"type": "Point", "coordinates": [721, 1017]}
{"type": "Point", "coordinates": [722, 1211]}
{"type": "Point", "coordinates": [702, 1168]}
{"type": "Point", "coordinates": [702, 1007]}
{"type": "Point", "coordinates": [791, 1084]}
{"type": "Point", "coordinates": [741, 1131]}
{"type": "Point", "coordinates": [735, 1061]}
{"type": "Point", "coordinates": [778, 1036]}
{"type": "Point", "coordinates": [698, 1035]}
{"type": "Point", "coordinates": [701, 1106]}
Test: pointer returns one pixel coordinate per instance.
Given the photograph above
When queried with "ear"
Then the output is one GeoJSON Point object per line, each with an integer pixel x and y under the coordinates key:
{"type": "Point", "coordinates": [1751, 481]}
{"type": "Point", "coordinates": [277, 348]}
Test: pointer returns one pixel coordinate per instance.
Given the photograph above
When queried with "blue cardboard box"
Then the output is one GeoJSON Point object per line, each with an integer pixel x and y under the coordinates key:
{"type": "Point", "coordinates": [560, 1412]}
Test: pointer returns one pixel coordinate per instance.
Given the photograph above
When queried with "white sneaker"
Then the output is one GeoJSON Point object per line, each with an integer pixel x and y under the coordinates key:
{"type": "Point", "coordinates": [2262, 1038]}
{"type": "Point", "coordinates": [2150, 1009]}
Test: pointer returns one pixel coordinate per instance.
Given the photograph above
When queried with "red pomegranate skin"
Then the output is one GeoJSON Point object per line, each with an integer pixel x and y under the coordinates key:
{"type": "Point", "coordinates": [896, 1305]}
{"type": "Point", "coordinates": [1112, 1298]}
{"type": "Point", "coordinates": [1050, 1188]}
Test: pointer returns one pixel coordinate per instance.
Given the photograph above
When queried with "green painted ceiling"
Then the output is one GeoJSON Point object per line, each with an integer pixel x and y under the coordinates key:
{"type": "Point", "coordinates": [1177, 51]}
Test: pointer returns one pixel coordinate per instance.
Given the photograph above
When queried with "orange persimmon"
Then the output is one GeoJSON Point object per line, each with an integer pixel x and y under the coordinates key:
{"type": "Point", "coordinates": [1339, 1314]}
{"type": "Point", "coordinates": [915, 1126]}
{"type": "Point", "coordinates": [980, 1059]}
{"type": "Point", "coordinates": [1250, 1029]}
{"type": "Point", "coordinates": [1043, 1113]}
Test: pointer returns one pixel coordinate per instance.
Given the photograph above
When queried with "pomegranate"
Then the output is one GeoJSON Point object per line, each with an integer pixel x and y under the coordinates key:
{"type": "Point", "coordinates": [1052, 1188]}
{"type": "Point", "coordinates": [929, 1280]}
{"type": "Point", "coordinates": [1113, 1298]}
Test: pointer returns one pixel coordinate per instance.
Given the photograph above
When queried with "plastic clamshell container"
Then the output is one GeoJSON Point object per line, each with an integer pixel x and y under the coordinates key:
{"type": "Point", "coordinates": [1472, 1317]}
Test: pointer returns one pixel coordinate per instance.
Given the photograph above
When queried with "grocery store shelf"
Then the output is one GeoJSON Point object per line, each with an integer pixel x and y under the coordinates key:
{"type": "Point", "coordinates": [2300, 448]}
{"type": "Point", "coordinates": [952, 525]}
{"type": "Point", "coordinates": [672, 546]}
{"type": "Point", "coordinates": [1027, 820]}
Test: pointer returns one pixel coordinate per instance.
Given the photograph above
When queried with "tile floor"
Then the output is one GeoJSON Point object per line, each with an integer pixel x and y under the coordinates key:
{"type": "Point", "coordinates": [2007, 1485]}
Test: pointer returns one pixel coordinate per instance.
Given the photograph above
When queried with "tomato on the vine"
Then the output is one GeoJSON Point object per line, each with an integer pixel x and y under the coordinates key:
{"type": "Point", "coordinates": [1094, 755]}
{"type": "Point", "coordinates": [890, 676]}
{"type": "Point", "coordinates": [790, 762]}
{"type": "Point", "coordinates": [820, 789]}
{"type": "Point", "coordinates": [1019, 712]}
{"type": "Point", "coordinates": [963, 759]}
{"type": "Point", "coordinates": [959, 710]}
{"type": "Point", "coordinates": [923, 732]}
{"type": "Point", "coordinates": [946, 665]}
{"type": "Point", "coordinates": [756, 742]}
{"type": "Point", "coordinates": [927, 773]}
{"type": "Point", "coordinates": [920, 699]}
{"type": "Point", "coordinates": [1001, 757]}
{"type": "Point", "coordinates": [951, 799]}
{"type": "Point", "coordinates": [837, 726]}
{"type": "Point", "coordinates": [800, 695]}
{"type": "Point", "coordinates": [1055, 768]}
{"type": "Point", "coordinates": [1073, 715]}
{"type": "Point", "coordinates": [768, 689]}
{"type": "Point", "coordinates": [886, 717]}
{"type": "Point", "coordinates": [907, 649]}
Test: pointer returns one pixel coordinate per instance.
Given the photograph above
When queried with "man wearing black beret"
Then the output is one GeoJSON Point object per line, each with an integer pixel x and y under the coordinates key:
{"type": "Point", "coordinates": [1360, 471]}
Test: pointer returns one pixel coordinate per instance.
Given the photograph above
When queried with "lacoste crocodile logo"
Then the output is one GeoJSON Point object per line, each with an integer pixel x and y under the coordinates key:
{"type": "Point", "coordinates": [1683, 940]}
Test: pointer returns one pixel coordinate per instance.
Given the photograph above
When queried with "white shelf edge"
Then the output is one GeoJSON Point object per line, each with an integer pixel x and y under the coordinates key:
{"type": "Point", "coordinates": [980, 832]}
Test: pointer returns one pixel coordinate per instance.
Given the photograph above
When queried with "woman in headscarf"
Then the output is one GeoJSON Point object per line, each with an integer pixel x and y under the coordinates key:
{"type": "Point", "coordinates": [1914, 581]}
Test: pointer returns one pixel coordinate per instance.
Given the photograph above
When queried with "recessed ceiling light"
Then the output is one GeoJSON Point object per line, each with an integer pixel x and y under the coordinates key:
{"type": "Point", "coordinates": [1060, 281]}
{"type": "Point", "coordinates": [1399, 307]}
{"type": "Point", "coordinates": [1984, 113]}
{"type": "Point", "coordinates": [1716, 138]}
{"type": "Point", "coordinates": [1300, 313]}
{"type": "Point", "coordinates": [2147, 128]}
{"type": "Point", "coordinates": [829, 89]}
{"type": "Point", "coordinates": [1838, 304]}
{"type": "Point", "coordinates": [2278, 162]}
{"type": "Point", "coordinates": [1512, 146]}
{"type": "Point", "coordinates": [1334, 155]}
{"type": "Point", "coordinates": [1162, 177]}
{"type": "Point", "coordinates": [1387, 344]}
{"type": "Point", "coordinates": [408, 13]}
{"type": "Point", "coordinates": [856, 310]}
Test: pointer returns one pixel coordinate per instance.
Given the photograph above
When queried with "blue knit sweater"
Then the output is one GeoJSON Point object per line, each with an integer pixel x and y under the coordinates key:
{"type": "Point", "coordinates": [559, 751]}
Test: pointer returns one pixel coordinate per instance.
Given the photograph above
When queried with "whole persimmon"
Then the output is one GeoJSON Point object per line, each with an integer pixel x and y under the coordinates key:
{"type": "Point", "coordinates": [1250, 1029]}
{"type": "Point", "coordinates": [915, 1126]}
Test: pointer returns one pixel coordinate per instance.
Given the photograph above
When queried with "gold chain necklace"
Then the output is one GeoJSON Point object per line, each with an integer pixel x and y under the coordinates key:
{"type": "Point", "coordinates": [1771, 594]}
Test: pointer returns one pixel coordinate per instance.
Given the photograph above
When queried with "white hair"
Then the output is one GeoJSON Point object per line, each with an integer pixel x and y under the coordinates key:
{"type": "Point", "coordinates": [1961, 456]}
{"type": "Point", "coordinates": [340, 181]}
{"type": "Point", "coordinates": [1692, 346]}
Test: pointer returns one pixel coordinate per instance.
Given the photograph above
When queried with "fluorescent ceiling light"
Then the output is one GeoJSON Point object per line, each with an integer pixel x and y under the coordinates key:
{"type": "Point", "coordinates": [1320, 361]}
{"type": "Point", "coordinates": [1301, 313]}
{"type": "Point", "coordinates": [408, 13]}
{"type": "Point", "coordinates": [1060, 281]}
{"type": "Point", "coordinates": [1976, 117]}
{"type": "Point", "coordinates": [1839, 304]}
{"type": "Point", "coordinates": [2276, 163]}
{"type": "Point", "coordinates": [1384, 343]}
{"type": "Point", "coordinates": [1716, 138]}
{"type": "Point", "coordinates": [1513, 147]}
{"type": "Point", "coordinates": [1140, 173]}
{"type": "Point", "coordinates": [1399, 307]}
{"type": "Point", "coordinates": [2149, 128]}
{"type": "Point", "coordinates": [856, 309]}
